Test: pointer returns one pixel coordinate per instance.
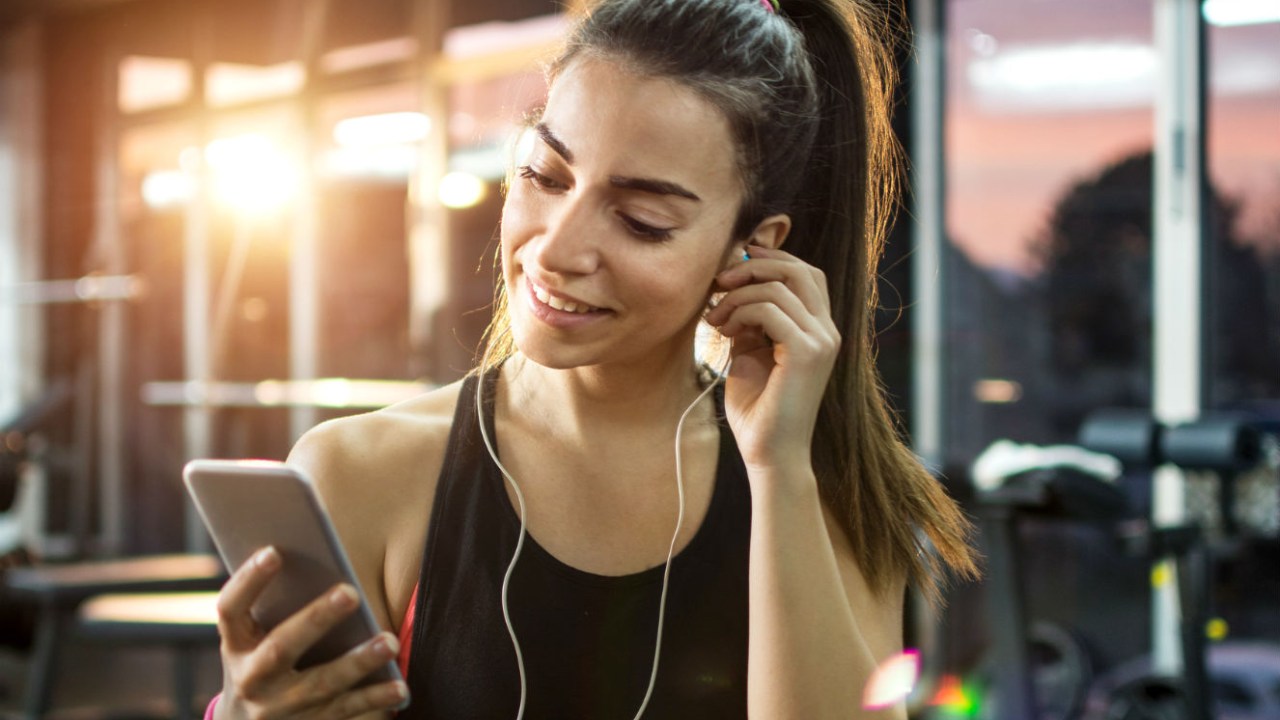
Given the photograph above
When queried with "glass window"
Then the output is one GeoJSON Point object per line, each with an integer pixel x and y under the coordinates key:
{"type": "Point", "coordinates": [1243, 310]}
{"type": "Point", "coordinates": [1242, 305]}
{"type": "Point", "coordinates": [153, 193]}
{"type": "Point", "coordinates": [151, 82]}
{"type": "Point", "coordinates": [233, 83]}
{"type": "Point", "coordinates": [1048, 136]}
{"type": "Point", "coordinates": [368, 145]}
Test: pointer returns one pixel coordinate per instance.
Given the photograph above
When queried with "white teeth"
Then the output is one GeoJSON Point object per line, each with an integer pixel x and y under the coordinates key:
{"type": "Point", "coordinates": [561, 304]}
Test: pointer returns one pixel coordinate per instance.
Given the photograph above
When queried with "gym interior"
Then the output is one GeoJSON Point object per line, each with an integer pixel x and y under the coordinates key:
{"type": "Point", "coordinates": [223, 222]}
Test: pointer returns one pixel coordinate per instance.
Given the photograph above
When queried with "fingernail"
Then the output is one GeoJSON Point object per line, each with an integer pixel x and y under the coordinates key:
{"type": "Point", "coordinates": [267, 558]}
{"type": "Point", "coordinates": [400, 692]}
{"type": "Point", "coordinates": [386, 645]}
{"type": "Point", "coordinates": [343, 597]}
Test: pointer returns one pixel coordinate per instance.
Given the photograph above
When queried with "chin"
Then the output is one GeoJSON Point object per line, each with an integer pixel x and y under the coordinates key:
{"type": "Point", "coordinates": [545, 351]}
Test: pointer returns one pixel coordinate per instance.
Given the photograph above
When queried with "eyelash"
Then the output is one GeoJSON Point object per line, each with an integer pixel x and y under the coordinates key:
{"type": "Point", "coordinates": [528, 173]}
{"type": "Point", "coordinates": [635, 227]}
{"type": "Point", "coordinates": [644, 230]}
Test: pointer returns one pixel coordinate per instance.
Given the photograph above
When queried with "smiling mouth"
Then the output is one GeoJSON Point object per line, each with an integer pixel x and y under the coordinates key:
{"type": "Point", "coordinates": [559, 303]}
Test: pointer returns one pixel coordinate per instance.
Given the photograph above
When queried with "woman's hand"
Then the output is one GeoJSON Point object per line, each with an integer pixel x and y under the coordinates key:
{"type": "Point", "coordinates": [777, 312]}
{"type": "Point", "coordinates": [259, 679]}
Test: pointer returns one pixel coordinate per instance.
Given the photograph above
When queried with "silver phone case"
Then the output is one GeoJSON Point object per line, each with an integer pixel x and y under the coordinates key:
{"type": "Point", "coordinates": [250, 504]}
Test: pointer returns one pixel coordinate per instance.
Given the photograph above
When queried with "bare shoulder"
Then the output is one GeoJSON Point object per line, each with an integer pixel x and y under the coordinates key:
{"type": "Point", "coordinates": [346, 448]}
{"type": "Point", "coordinates": [377, 473]}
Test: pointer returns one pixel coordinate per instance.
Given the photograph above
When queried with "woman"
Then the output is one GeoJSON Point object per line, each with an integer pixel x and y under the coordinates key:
{"type": "Point", "coordinates": [688, 150]}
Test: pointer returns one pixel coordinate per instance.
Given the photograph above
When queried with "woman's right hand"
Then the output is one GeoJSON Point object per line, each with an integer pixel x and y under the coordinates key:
{"type": "Point", "coordinates": [259, 679]}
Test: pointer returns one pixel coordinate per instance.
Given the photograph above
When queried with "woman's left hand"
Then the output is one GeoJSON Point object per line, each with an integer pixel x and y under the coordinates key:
{"type": "Point", "coordinates": [777, 312]}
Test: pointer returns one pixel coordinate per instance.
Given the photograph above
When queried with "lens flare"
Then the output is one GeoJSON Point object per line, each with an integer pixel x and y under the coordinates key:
{"type": "Point", "coordinates": [892, 681]}
{"type": "Point", "coordinates": [252, 174]}
{"type": "Point", "coordinates": [954, 699]}
{"type": "Point", "coordinates": [459, 190]}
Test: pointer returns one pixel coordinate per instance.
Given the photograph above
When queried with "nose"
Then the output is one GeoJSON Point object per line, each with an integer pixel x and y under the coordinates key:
{"type": "Point", "coordinates": [569, 243]}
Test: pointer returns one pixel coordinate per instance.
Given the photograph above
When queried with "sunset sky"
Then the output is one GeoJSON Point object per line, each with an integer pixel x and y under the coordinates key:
{"type": "Point", "coordinates": [1044, 93]}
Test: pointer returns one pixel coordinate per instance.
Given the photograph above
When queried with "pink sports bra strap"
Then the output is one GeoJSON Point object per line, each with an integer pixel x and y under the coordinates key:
{"type": "Point", "coordinates": [406, 634]}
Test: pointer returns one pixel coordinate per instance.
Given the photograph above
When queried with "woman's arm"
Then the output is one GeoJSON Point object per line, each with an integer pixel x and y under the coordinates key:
{"type": "Point", "coordinates": [817, 630]}
{"type": "Point", "coordinates": [376, 475]}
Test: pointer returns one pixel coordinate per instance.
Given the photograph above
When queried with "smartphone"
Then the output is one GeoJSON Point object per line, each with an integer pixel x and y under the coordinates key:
{"type": "Point", "coordinates": [250, 504]}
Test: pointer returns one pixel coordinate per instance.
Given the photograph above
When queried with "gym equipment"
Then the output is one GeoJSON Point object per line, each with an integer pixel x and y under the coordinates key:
{"type": "Point", "coordinates": [1039, 672]}
{"type": "Point", "coordinates": [1057, 688]}
{"type": "Point", "coordinates": [1225, 444]}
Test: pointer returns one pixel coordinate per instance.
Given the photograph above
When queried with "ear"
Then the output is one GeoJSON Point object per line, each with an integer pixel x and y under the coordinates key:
{"type": "Point", "coordinates": [770, 233]}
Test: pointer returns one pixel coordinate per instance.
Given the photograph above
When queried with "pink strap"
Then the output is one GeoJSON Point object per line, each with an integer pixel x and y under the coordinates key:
{"type": "Point", "coordinates": [406, 634]}
{"type": "Point", "coordinates": [208, 713]}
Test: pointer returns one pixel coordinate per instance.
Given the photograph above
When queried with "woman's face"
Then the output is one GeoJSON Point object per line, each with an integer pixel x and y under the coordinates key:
{"type": "Point", "coordinates": [618, 220]}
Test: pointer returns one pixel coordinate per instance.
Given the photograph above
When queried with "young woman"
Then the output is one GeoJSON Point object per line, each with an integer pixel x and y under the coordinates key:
{"type": "Point", "coordinates": [718, 161]}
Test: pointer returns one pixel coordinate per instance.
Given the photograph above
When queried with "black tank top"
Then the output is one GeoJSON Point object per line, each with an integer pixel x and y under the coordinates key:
{"type": "Point", "coordinates": [587, 639]}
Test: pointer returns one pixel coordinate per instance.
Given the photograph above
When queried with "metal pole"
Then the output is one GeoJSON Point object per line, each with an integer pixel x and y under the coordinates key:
{"type": "Point", "coordinates": [304, 323]}
{"type": "Point", "coordinates": [427, 221]}
{"type": "Point", "coordinates": [113, 508]}
{"type": "Point", "coordinates": [928, 180]}
{"type": "Point", "coordinates": [197, 417]}
{"type": "Point", "coordinates": [1016, 691]}
{"type": "Point", "coordinates": [928, 409]}
{"type": "Point", "coordinates": [1178, 277]}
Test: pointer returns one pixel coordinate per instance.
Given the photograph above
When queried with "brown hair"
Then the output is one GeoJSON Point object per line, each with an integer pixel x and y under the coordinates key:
{"type": "Point", "coordinates": [807, 92]}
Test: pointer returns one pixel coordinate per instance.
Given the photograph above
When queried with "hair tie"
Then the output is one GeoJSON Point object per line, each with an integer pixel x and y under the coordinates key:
{"type": "Point", "coordinates": [770, 5]}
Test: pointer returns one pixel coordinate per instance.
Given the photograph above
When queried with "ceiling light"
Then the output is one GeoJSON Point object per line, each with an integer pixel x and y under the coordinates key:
{"type": "Point", "coordinates": [1227, 13]}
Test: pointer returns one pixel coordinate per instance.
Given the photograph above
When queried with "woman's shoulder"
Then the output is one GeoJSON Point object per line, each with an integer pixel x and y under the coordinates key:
{"type": "Point", "coordinates": [381, 441]}
{"type": "Point", "coordinates": [376, 474]}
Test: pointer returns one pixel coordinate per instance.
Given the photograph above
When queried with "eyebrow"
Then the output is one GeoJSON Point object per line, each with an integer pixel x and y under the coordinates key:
{"type": "Point", "coordinates": [556, 143]}
{"type": "Point", "coordinates": [656, 187]}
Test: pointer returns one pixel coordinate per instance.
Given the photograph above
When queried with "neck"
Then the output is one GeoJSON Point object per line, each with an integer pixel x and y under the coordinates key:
{"type": "Point", "coordinates": [601, 399]}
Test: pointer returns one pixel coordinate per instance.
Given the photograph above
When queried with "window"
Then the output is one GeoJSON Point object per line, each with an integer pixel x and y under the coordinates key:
{"type": "Point", "coordinates": [1243, 165]}
{"type": "Point", "coordinates": [1048, 215]}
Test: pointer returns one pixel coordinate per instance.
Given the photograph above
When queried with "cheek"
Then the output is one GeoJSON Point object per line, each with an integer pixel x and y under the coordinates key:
{"type": "Point", "coordinates": [684, 286]}
{"type": "Point", "coordinates": [513, 228]}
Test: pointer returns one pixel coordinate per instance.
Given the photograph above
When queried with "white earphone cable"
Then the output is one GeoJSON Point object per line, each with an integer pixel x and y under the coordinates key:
{"type": "Point", "coordinates": [666, 572]}
{"type": "Point", "coordinates": [506, 579]}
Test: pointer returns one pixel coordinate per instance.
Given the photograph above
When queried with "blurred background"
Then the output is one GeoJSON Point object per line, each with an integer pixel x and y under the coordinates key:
{"type": "Point", "coordinates": [223, 221]}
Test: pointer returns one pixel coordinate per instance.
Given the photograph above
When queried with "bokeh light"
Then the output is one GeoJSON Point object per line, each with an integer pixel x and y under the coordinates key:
{"type": "Point", "coordinates": [382, 129]}
{"type": "Point", "coordinates": [954, 699]}
{"type": "Point", "coordinates": [892, 681]}
{"type": "Point", "coordinates": [461, 190]}
{"type": "Point", "coordinates": [164, 189]}
{"type": "Point", "coordinates": [251, 174]}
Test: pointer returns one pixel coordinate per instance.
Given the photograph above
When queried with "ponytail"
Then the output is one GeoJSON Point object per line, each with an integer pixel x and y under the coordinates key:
{"type": "Point", "coordinates": [883, 497]}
